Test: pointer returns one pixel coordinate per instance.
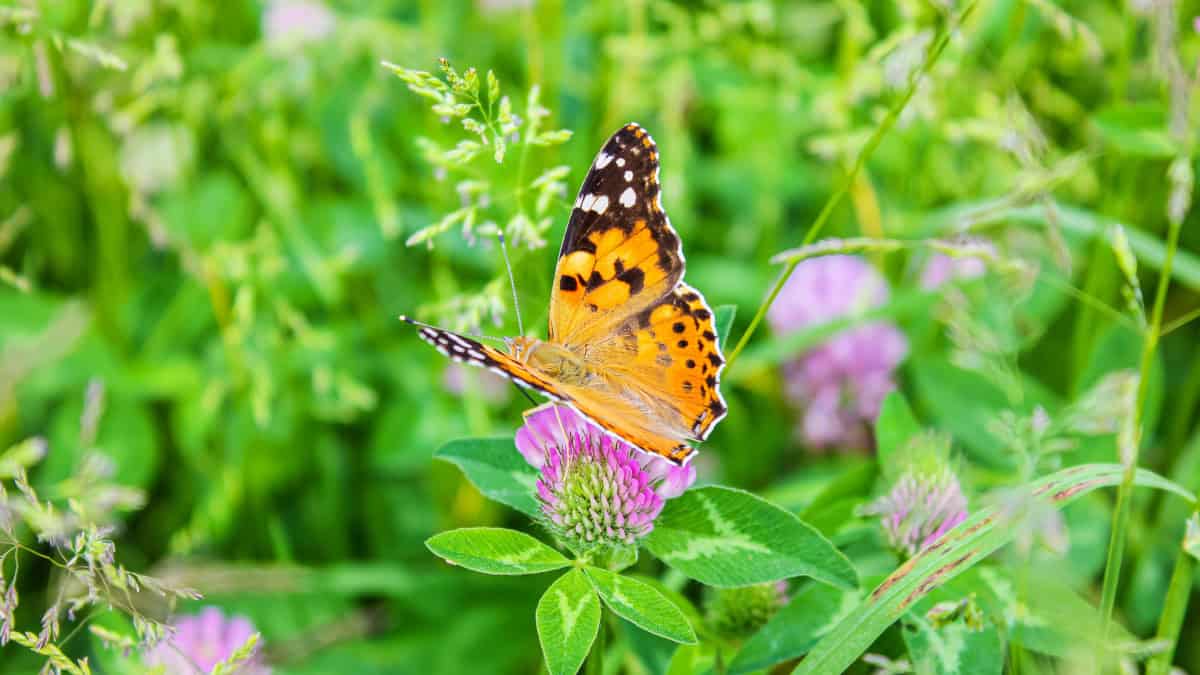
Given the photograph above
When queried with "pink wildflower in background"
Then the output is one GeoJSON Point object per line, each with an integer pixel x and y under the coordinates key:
{"type": "Point", "coordinates": [840, 384]}
{"type": "Point", "coordinates": [920, 508]}
{"type": "Point", "coordinates": [297, 21]}
{"type": "Point", "coordinates": [595, 489]}
{"type": "Point", "coordinates": [490, 386]}
{"type": "Point", "coordinates": [941, 267]}
{"type": "Point", "coordinates": [203, 640]}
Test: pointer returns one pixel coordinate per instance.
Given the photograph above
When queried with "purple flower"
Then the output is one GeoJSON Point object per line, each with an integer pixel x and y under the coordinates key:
{"type": "Point", "coordinates": [920, 508]}
{"type": "Point", "coordinates": [203, 640]}
{"type": "Point", "coordinates": [593, 488]}
{"type": "Point", "coordinates": [840, 384]}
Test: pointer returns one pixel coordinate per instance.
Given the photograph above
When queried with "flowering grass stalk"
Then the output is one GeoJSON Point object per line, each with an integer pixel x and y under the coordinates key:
{"type": "Point", "coordinates": [1178, 204]}
{"type": "Point", "coordinates": [873, 142]}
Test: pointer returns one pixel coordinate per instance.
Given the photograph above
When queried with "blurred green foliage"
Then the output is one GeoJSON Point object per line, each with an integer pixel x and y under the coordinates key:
{"type": "Point", "coordinates": [207, 215]}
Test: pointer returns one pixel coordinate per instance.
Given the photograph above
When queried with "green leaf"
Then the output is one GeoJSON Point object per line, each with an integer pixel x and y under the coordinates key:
{"type": "Point", "coordinates": [724, 322]}
{"type": "Point", "coordinates": [1136, 130]}
{"type": "Point", "coordinates": [1052, 618]}
{"type": "Point", "coordinates": [973, 540]}
{"type": "Point", "coordinates": [655, 652]}
{"type": "Point", "coordinates": [812, 612]}
{"type": "Point", "coordinates": [725, 537]}
{"type": "Point", "coordinates": [495, 550]}
{"type": "Point", "coordinates": [964, 402]}
{"type": "Point", "coordinates": [497, 469]}
{"type": "Point", "coordinates": [568, 619]}
{"type": "Point", "coordinates": [951, 649]}
{"type": "Point", "coordinates": [836, 504]}
{"type": "Point", "coordinates": [895, 426]}
{"type": "Point", "coordinates": [642, 605]}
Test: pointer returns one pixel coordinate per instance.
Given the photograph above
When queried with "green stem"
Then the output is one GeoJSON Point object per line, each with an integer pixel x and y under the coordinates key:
{"type": "Point", "coordinates": [873, 142]}
{"type": "Point", "coordinates": [1116, 544]}
{"type": "Point", "coordinates": [1171, 620]}
{"type": "Point", "coordinates": [1181, 321]}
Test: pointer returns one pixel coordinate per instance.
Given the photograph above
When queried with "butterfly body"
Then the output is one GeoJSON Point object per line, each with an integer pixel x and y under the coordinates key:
{"type": "Point", "coordinates": [629, 345]}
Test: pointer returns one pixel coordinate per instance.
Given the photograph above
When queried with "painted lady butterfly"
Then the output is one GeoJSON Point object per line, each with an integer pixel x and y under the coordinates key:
{"type": "Point", "coordinates": [630, 346]}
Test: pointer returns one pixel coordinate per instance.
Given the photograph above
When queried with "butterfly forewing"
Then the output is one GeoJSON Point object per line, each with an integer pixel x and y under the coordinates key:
{"type": "Point", "coordinates": [620, 253]}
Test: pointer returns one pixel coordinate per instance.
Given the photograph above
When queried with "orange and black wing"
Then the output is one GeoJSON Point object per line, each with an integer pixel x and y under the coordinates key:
{"type": "Point", "coordinates": [620, 253]}
{"type": "Point", "coordinates": [619, 301]}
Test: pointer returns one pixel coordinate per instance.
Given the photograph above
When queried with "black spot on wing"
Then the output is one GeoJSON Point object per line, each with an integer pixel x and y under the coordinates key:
{"type": "Point", "coordinates": [636, 279]}
{"type": "Point", "coordinates": [567, 283]}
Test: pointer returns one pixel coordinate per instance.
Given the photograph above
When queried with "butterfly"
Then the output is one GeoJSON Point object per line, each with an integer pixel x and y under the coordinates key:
{"type": "Point", "coordinates": [629, 346]}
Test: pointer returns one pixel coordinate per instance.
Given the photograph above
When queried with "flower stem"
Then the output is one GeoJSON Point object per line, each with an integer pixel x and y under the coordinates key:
{"type": "Point", "coordinates": [1173, 611]}
{"type": "Point", "coordinates": [1116, 543]}
{"type": "Point", "coordinates": [873, 142]}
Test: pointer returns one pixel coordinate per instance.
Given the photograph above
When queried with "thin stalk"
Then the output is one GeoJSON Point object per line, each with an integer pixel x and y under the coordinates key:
{"type": "Point", "coordinates": [1171, 621]}
{"type": "Point", "coordinates": [873, 142]}
{"type": "Point", "coordinates": [1181, 321]}
{"type": "Point", "coordinates": [1116, 543]}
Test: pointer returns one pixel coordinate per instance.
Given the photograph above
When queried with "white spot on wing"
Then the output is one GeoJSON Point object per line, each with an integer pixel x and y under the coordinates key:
{"type": "Point", "coordinates": [628, 197]}
{"type": "Point", "coordinates": [586, 204]}
{"type": "Point", "coordinates": [603, 159]}
{"type": "Point", "coordinates": [628, 176]}
{"type": "Point", "coordinates": [620, 161]}
{"type": "Point", "coordinates": [600, 204]}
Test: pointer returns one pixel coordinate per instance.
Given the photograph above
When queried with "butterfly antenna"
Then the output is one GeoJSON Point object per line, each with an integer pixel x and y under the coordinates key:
{"type": "Point", "coordinates": [512, 284]}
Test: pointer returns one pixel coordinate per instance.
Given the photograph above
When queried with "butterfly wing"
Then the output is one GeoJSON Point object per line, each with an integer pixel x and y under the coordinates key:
{"type": "Point", "coordinates": [620, 253]}
{"type": "Point", "coordinates": [619, 302]}
{"type": "Point", "coordinates": [678, 360]}
{"type": "Point", "coordinates": [601, 406]}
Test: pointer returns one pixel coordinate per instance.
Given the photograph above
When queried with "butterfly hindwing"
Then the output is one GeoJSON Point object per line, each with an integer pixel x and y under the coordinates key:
{"type": "Point", "coordinates": [671, 360]}
{"type": "Point", "coordinates": [619, 253]}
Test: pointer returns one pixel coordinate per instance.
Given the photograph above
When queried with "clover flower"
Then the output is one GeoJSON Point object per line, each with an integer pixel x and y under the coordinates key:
{"type": "Point", "coordinates": [594, 489]}
{"type": "Point", "coordinates": [203, 640]}
{"type": "Point", "coordinates": [921, 506]}
{"type": "Point", "coordinates": [841, 383]}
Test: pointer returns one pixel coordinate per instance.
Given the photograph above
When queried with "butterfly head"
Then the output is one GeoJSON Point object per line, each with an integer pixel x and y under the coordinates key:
{"type": "Point", "coordinates": [521, 347]}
